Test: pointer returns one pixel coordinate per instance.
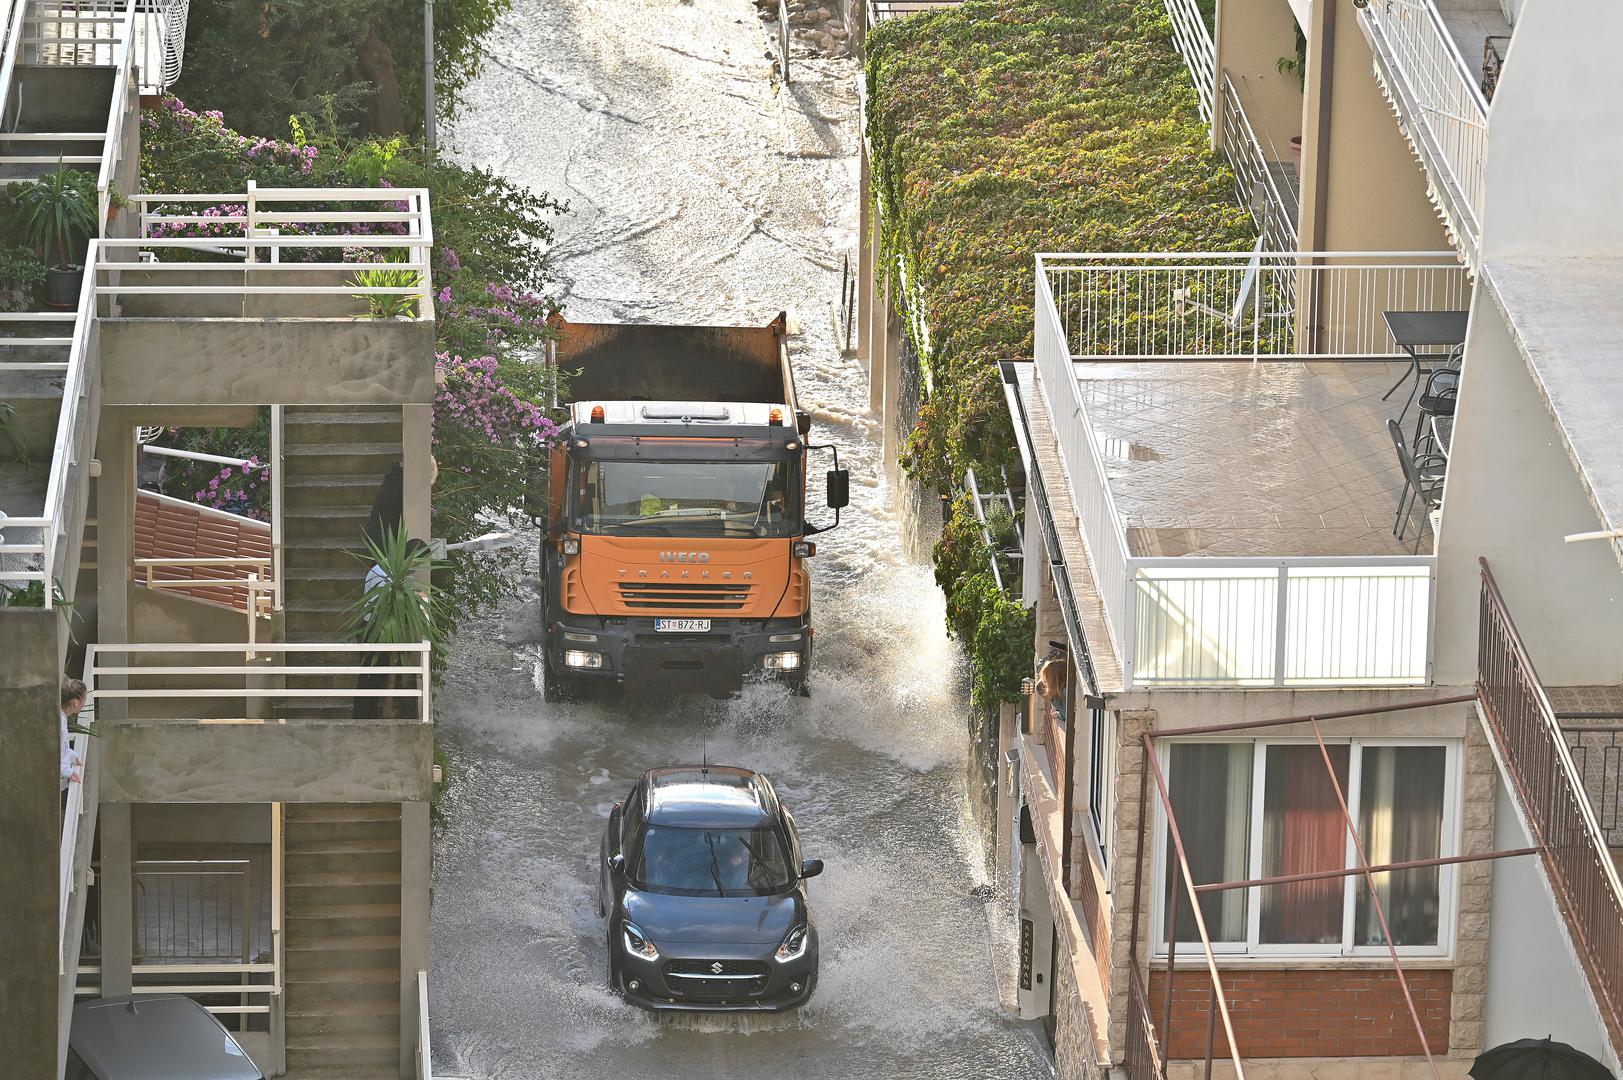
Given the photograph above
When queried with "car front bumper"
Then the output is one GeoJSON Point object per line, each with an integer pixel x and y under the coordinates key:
{"type": "Point", "coordinates": [660, 988]}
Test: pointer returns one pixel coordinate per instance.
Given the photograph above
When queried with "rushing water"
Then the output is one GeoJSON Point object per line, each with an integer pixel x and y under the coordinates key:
{"type": "Point", "coordinates": [701, 191]}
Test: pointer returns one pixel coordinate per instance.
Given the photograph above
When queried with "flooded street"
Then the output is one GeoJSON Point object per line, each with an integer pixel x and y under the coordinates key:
{"type": "Point", "coordinates": [701, 191]}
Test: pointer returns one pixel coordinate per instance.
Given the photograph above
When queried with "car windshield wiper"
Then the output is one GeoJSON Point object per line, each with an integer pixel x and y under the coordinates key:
{"type": "Point", "coordinates": [715, 865]}
{"type": "Point", "coordinates": [641, 523]}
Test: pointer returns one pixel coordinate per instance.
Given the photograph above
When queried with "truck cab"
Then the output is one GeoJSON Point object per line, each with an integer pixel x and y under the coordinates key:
{"type": "Point", "coordinates": [675, 558]}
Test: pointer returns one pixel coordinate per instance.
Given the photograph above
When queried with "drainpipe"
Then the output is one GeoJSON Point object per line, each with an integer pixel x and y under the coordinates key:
{"type": "Point", "coordinates": [428, 77]}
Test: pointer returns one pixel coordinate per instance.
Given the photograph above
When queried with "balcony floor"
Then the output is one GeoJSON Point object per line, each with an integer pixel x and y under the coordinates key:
{"type": "Point", "coordinates": [1266, 460]}
{"type": "Point", "coordinates": [1470, 23]}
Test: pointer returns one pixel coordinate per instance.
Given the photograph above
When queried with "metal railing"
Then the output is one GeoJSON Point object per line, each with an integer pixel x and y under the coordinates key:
{"type": "Point", "coordinates": [1079, 457]}
{"type": "Point", "coordinates": [1194, 41]}
{"type": "Point", "coordinates": [1258, 182]}
{"type": "Point", "coordinates": [1597, 754]}
{"type": "Point", "coordinates": [1245, 305]}
{"type": "Point", "coordinates": [156, 679]}
{"type": "Point", "coordinates": [425, 1045]}
{"type": "Point", "coordinates": [1141, 1058]}
{"type": "Point", "coordinates": [1214, 621]}
{"type": "Point", "coordinates": [74, 810]}
{"type": "Point", "coordinates": [1437, 89]}
{"type": "Point", "coordinates": [69, 448]}
{"type": "Point", "coordinates": [161, 34]}
{"type": "Point", "coordinates": [884, 10]}
{"type": "Point", "coordinates": [1551, 792]}
{"type": "Point", "coordinates": [1281, 622]}
{"type": "Point", "coordinates": [979, 500]}
{"type": "Point", "coordinates": [312, 222]}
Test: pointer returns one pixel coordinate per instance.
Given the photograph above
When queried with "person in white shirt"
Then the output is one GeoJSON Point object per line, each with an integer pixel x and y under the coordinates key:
{"type": "Point", "coordinates": [73, 699]}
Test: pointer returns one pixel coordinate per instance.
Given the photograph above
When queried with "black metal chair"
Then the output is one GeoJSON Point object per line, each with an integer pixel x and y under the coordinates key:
{"type": "Point", "coordinates": [1422, 485]}
{"type": "Point", "coordinates": [1437, 399]}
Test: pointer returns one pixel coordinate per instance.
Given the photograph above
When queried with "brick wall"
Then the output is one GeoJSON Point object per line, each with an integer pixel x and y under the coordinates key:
{"type": "Point", "coordinates": [1278, 1013]}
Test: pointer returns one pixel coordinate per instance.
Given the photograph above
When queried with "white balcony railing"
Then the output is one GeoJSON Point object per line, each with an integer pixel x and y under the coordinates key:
{"type": "Point", "coordinates": [1226, 621]}
{"type": "Point", "coordinates": [1245, 305]}
{"type": "Point", "coordinates": [1193, 39]}
{"type": "Point", "coordinates": [1259, 177]}
{"type": "Point", "coordinates": [160, 43]}
{"type": "Point", "coordinates": [1431, 83]}
{"type": "Point", "coordinates": [252, 681]}
{"type": "Point", "coordinates": [72, 812]}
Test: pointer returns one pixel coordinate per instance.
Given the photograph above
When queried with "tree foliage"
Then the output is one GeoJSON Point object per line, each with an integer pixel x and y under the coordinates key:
{"type": "Point", "coordinates": [261, 61]}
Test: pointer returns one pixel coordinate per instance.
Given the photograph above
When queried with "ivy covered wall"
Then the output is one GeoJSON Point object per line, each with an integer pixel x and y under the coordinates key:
{"type": "Point", "coordinates": [998, 130]}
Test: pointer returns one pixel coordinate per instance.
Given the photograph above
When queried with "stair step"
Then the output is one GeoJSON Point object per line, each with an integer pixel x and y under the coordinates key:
{"type": "Point", "coordinates": [303, 865]}
{"type": "Point", "coordinates": [358, 942]}
{"type": "Point", "coordinates": [385, 839]}
{"type": "Point", "coordinates": [353, 976]}
{"type": "Point", "coordinates": [341, 1055]}
{"type": "Point", "coordinates": [367, 811]}
{"type": "Point", "coordinates": [344, 912]}
{"type": "Point", "coordinates": [327, 1021]}
{"type": "Point", "coordinates": [337, 959]}
{"type": "Point", "coordinates": [343, 489]}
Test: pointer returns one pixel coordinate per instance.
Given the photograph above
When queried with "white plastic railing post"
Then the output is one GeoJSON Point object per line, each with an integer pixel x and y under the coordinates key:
{"type": "Point", "coordinates": [279, 578]}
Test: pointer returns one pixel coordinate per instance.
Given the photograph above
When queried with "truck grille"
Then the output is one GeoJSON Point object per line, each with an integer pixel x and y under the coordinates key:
{"type": "Point", "coordinates": [700, 978]}
{"type": "Point", "coordinates": [685, 595]}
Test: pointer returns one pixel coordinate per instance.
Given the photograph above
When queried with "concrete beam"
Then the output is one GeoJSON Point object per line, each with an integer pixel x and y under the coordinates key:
{"type": "Point", "coordinates": [268, 361]}
{"type": "Point", "coordinates": [30, 829]}
{"type": "Point", "coordinates": [252, 761]}
{"type": "Point", "coordinates": [416, 846]}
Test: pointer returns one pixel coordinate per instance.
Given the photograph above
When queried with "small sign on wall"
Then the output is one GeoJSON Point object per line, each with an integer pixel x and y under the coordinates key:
{"type": "Point", "coordinates": [1025, 953]}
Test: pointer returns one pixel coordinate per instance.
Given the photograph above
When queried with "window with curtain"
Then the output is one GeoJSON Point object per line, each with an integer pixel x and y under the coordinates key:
{"type": "Point", "coordinates": [1266, 809]}
{"type": "Point", "coordinates": [1210, 785]}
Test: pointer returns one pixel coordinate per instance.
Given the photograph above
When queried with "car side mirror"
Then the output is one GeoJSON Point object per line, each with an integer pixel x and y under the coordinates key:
{"type": "Point", "coordinates": [839, 489]}
{"type": "Point", "coordinates": [617, 863]}
{"type": "Point", "coordinates": [811, 868]}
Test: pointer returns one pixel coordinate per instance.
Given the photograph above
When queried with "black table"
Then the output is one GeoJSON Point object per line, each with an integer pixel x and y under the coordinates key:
{"type": "Point", "coordinates": [1434, 338]}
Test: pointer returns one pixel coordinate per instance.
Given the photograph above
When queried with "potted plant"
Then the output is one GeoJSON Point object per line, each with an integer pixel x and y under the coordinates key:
{"type": "Point", "coordinates": [57, 213]}
{"type": "Point", "coordinates": [380, 305]}
{"type": "Point", "coordinates": [400, 606]}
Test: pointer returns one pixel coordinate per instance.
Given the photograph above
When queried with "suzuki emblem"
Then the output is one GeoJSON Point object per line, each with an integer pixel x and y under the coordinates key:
{"type": "Point", "coordinates": [716, 968]}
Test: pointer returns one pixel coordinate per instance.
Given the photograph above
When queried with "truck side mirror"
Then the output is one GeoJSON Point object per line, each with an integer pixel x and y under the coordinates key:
{"type": "Point", "coordinates": [839, 489]}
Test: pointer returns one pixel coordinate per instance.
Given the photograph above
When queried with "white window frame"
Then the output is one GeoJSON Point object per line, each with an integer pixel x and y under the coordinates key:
{"type": "Point", "coordinates": [1102, 781]}
{"type": "Point", "coordinates": [1448, 875]}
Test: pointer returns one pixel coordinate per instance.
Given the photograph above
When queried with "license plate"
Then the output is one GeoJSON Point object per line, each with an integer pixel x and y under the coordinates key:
{"type": "Point", "coordinates": [682, 626]}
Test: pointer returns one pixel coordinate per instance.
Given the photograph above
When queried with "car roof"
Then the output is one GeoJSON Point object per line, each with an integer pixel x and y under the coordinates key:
{"type": "Point", "coordinates": [156, 1037]}
{"type": "Point", "coordinates": [709, 796]}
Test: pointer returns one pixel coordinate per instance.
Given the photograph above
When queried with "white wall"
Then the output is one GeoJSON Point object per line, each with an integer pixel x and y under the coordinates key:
{"type": "Point", "coordinates": [1535, 987]}
{"type": "Point", "coordinates": [1554, 173]}
{"type": "Point", "coordinates": [1512, 496]}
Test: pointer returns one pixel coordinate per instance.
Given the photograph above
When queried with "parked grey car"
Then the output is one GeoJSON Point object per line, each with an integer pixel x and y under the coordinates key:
{"type": "Point", "coordinates": [153, 1037]}
{"type": "Point", "coordinates": [703, 884]}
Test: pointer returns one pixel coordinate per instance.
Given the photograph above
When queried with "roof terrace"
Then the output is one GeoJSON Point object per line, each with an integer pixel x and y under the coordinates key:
{"type": "Point", "coordinates": [1223, 438]}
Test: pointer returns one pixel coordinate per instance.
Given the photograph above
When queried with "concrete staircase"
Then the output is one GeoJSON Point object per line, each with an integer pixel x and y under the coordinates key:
{"type": "Point", "coordinates": [342, 953]}
{"type": "Point", "coordinates": [334, 458]}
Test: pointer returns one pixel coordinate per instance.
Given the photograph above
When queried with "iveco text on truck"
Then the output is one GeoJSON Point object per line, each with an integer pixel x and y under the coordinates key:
{"type": "Point", "coordinates": [674, 556]}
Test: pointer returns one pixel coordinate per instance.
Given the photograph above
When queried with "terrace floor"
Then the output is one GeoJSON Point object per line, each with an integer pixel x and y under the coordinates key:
{"type": "Point", "coordinates": [1470, 23]}
{"type": "Point", "coordinates": [1264, 460]}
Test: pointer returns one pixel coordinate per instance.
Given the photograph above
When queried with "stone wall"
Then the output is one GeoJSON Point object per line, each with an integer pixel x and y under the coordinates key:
{"type": "Point", "coordinates": [1480, 780]}
{"type": "Point", "coordinates": [1074, 1056]}
{"type": "Point", "coordinates": [816, 27]}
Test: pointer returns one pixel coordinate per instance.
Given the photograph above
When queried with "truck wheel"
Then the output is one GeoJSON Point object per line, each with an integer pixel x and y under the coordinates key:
{"type": "Point", "coordinates": [554, 685]}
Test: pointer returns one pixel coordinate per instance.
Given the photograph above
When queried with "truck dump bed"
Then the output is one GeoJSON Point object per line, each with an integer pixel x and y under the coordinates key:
{"type": "Point", "coordinates": [637, 362]}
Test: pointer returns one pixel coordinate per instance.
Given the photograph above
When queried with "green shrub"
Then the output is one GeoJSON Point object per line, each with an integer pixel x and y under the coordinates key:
{"type": "Point", "coordinates": [1000, 130]}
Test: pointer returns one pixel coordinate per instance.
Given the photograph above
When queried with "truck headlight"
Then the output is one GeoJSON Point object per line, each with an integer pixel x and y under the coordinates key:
{"type": "Point", "coordinates": [579, 658]}
{"type": "Point", "coordinates": [804, 549]}
{"type": "Point", "coordinates": [637, 943]}
{"type": "Point", "coordinates": [794, 944]}
{"type": "Point", "coordinates": [571, 545]}
{"type": "Point", "coordinates": [781, 661]}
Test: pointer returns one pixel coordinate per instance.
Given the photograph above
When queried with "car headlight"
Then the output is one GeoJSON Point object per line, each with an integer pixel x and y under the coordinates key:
{"type": "Point", "coordinates": [637, 942]}
{"type": "Point", "coordinates": [794, 944]}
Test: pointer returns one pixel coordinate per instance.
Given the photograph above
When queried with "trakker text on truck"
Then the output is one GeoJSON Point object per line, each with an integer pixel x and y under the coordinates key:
{"type": "Point", "coordinates": [674, 556]}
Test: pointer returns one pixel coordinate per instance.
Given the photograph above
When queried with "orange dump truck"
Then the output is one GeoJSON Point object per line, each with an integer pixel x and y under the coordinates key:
{"type": "Point", "coordinates": [674, 556]}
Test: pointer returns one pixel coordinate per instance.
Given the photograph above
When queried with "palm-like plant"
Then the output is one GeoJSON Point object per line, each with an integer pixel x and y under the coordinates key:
{"type": "Point", "coordinates": [400, 605]}
{"type": "Point", "coordinates": [381, 305]}
{"type": "Point", "coordinates": [56, 210]}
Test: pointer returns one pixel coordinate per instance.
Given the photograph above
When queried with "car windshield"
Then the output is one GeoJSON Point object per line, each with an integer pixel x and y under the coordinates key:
{"type": "Point", "coordinates": [685, 498]}
{"type": "Point", "coordinates": [712, 862]}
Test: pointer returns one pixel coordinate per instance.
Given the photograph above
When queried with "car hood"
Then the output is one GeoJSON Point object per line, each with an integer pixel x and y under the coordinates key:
{"type": "Point", "coordinates": [741, 920]}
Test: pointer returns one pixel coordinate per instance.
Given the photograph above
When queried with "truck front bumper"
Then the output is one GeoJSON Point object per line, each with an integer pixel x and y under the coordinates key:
{"type": "Point", "coordinates": [631, 651]}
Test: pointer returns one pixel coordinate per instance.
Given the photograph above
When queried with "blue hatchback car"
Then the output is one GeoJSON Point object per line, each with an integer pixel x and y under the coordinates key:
{"type": "Point", "coordinates": [704, 887]}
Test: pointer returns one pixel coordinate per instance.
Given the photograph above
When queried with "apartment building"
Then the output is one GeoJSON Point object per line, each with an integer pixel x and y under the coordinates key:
{"type": "Point", "coordinates": [1334, 789]}
{"type": "Point", "coordinates": [252, 825]}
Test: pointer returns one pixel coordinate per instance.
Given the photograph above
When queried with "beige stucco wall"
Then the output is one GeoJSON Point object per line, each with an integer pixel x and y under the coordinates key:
{"type": "Point", "coordinates": [1252, 37]}
{"type": "Point", "coordinates": [1374, 196]}
{"type": "Point", "coordinates": [1512, 496]}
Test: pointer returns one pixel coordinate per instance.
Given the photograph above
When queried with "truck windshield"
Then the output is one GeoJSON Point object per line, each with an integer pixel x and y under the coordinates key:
{"type": "Point", "coordinates": [686, 498]}
{"type": "Point", "coordinates": [712, 862]}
